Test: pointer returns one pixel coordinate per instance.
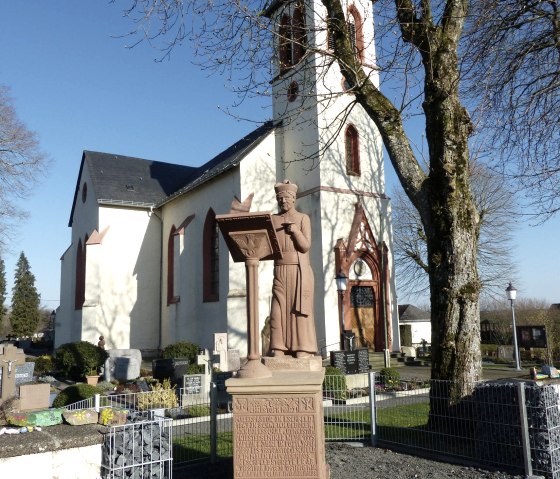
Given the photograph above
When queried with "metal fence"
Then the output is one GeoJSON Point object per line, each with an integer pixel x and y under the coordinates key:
{"type": "Point", "coordinates": [508, 425]}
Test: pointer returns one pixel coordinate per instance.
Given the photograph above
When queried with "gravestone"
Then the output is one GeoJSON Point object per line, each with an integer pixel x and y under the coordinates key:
{"type": "Point", "coordinates": [123, 364]}
{"type": "Point", "coordinates": [351, 362]}
{"type": "Point", "coordinates": [10, 358]}
{"type": "Point", "coordinates": [195, 389]}
{"type": "Point", "coordinates": [223, 398]}
{"type": "Point", "coordinates": [233, 360]}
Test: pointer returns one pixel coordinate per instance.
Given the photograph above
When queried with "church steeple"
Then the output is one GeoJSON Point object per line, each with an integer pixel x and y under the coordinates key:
{"type": "Point", "coordinates": [325, 137]}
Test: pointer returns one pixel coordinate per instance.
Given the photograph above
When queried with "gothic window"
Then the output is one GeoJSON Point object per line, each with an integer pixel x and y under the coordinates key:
{"type": "Point", "coordinates": [356, 32]}
{"type": "Point", "coordinates": [298, 31]}
{"type": "Point", "coordinates": [211, 258]}
{"type": "Point", "coordinates": [80, 286]}
{"type": "Point", "coordinates": [285, 49]}
{"type": "Point", "coordinates": [173, 269]}
{"type": "Point", "coordinates": [352, 147]}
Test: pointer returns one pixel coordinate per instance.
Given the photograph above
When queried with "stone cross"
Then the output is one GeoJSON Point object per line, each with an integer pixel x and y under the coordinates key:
{"type": "Point", "coordinates": [10, 357]}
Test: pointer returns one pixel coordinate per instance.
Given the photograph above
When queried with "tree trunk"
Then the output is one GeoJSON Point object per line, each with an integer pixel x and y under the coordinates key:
{"type": "Point", "coordinates": [451, 225]}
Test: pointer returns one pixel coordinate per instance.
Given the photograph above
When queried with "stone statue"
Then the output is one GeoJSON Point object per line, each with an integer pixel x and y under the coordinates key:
{"type": "Point", "coordinates": [292, 326]}
{"type": "Point", "coordinates": [101, 342]}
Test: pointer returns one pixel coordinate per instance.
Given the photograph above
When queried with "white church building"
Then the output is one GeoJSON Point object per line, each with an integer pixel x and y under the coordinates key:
{"type": "Point", "coordinates": [147, 266]}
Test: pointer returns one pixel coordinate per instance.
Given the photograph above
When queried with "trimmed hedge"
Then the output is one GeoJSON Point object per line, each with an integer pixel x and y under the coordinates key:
{"type": "Point", "coordinates": [181, 349]}
{"type": "Point", "coordinates": [75, 393]}
{"type": "Point", "coordinates": [75, 360]}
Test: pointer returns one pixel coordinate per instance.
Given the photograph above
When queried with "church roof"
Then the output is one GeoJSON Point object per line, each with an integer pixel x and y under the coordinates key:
{"type": "Point", "coordinates": [408, 313]}
{"type": "Point", "coordinates": [125, 180]}
{"type": "Point", "coordinates": [226, 160]}
{"type": "Point", "coordinates": [136, 182]}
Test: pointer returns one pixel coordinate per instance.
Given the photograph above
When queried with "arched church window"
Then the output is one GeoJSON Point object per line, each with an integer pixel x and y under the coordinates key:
{"type": "Point", "coordinates": [211, 258]}
{"type": "Point", "coordinates": [356, 32]}
{"type": "Point", "coordinates": [285, 44]}
{"type": "Point", "coordinates": [173, 269]}
{"type": "Point", "coordinates": [80, 287]}
{"type": "Point", "coordinates": [352, 150]}
{"type": "Point", "coordinates": [299, 38]}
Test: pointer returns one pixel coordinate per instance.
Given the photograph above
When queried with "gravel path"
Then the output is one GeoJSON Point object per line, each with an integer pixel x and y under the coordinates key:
{"type": "Point", "coordinates": [351, 462]}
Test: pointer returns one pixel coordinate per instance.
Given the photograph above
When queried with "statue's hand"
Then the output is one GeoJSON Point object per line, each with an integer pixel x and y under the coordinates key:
{"type": "Point", "coordinates": [288, 227]}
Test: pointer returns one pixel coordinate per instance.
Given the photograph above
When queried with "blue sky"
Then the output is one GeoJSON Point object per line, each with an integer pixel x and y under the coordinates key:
{"type": "Point", "coordinates": [79, 88]}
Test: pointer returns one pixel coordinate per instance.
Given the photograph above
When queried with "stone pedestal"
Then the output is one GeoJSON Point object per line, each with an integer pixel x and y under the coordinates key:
{"type": "Point", "coordinates": [278, 427]}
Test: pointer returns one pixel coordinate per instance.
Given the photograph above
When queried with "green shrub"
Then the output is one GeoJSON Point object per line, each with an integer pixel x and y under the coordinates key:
{"type": "Point", "coordinates": [334, 385]}
{"type": "Point", "coordinates": [75, 393]}
{"type": "Point", "coordinates": [182, 349]}
{"type": "Point", "coordinates": [195, 369]}
{"type": "Point", "coordinates": [43, 365]}
{"type": "Point", "coordinates": [77, 359]}
{"type": "Point", "coordinates": [391, 377]}
{"type": "Point", "coordinates": [199, 411]}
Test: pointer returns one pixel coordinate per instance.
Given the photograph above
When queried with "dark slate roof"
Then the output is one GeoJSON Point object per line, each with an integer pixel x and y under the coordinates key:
{"type": "Point", "coordinates": [124, 180]}
{"type": "Point", "coordinates": [408, 312]}
{"type": "Point", "coordinates": [136, 182]}
{"type": "Point", "coordinates": [226, 160]}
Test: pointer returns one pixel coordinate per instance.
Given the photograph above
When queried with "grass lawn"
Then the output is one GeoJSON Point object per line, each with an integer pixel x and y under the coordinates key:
{"type": "Point", "coordinates": [196, 447]}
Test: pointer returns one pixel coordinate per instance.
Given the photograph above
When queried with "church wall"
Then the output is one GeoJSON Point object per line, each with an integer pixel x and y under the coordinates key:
{"type": "Point", "coordinates": [190, 319]}
{"type": "Point", "coordinates": [64, 315]}
{"type": "Point", "coordinates": [84, 221]}
{"type": "Point", "coordinates": [122, 280]}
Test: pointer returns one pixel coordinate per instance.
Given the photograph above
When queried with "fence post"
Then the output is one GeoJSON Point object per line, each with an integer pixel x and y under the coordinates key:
{"type": "Point", "coordinates": [524, 429]}
{"type": "Point", "coordinates": [97, 403]}
{"type": "Point", "coordinates": [372, 412]}
{"type": "Point", "coordinates": [213, 421]}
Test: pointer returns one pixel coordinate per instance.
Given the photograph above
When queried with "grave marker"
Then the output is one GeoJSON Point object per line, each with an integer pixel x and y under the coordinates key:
{"type": "Point", "coordinates": [10, 358]}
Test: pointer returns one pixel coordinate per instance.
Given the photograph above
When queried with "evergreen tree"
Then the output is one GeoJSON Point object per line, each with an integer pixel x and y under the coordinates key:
{"type": "Point", "coordinates": [2, 293]}
{"type": "Point", "coordinates": [25, 300]}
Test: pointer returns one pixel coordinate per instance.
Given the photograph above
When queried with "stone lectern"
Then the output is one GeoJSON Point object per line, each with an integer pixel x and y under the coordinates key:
{"type": "Point", "coordinates": [251, 238]}
{"type": "Point", "coordinates": [278, 429]}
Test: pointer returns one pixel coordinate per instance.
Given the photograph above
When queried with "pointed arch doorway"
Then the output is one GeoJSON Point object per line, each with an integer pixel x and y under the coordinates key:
{"type": "Point", "coordinates": [361, 259]}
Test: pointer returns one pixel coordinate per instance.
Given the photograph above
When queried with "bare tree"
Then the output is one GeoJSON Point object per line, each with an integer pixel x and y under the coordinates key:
{"type": "Point", "coordinates": [21, 165]}
{"type": "Point", "coordinates": [495, 204]}
{"type": "Point", "coordinates": [418, 46]}
{"type": "Point", "coordinates": [512, 63]}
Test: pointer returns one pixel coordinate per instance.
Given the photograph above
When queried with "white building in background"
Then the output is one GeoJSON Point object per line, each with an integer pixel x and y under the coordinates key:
{"type": "Point", "coordinates": [146, 266]}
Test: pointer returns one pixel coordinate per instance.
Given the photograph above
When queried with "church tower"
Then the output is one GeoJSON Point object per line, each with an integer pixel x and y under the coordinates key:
{"type": "Point", "coordinates": [327, 144]}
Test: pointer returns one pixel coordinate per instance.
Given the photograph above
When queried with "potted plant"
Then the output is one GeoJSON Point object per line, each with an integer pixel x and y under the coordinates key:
{"type": "Point", "coordinates": [92, 376]}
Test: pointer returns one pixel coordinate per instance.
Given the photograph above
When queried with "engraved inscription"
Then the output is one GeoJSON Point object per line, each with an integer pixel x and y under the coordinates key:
{"type": "Point", "coordinates": [274, 405]}
{"type": "Point", "coordinates": [275, 446]}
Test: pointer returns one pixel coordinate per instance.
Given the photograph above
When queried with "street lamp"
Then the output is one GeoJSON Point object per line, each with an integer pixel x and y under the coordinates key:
{"type": "Point", "coordinates": [511, 293]}
{"type": "Point", "coordinates": [341, 283]}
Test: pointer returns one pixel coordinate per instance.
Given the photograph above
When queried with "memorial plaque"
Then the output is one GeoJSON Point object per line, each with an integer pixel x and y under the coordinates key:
{"type": "Point", "coordinates": [363, 360]}
{"type": "Point", "coordinates": [192, 383]}
{"type": "Point", "coordinates": [24, 373]}
{"type": "Point", "coordinates": [351, 362]}
{"type": "Point", "coordinates": [259, 420]}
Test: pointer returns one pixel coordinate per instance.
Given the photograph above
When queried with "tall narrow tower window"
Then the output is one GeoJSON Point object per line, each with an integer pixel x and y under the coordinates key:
{"type": "Point", "coordinates": [285, 44]}
{"type": "Point", "coordinates": [356, 32]}
{"type": "Point", "coordinates": [352, 147]}
{"type": "Point", "coordinates": [299, 38]}
{"type": "Point", "coordinates": [211, 259]}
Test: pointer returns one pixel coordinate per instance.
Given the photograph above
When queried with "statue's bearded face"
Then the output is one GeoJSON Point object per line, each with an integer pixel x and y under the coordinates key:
{"type": "Point", "coordinates": [286, 202]}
